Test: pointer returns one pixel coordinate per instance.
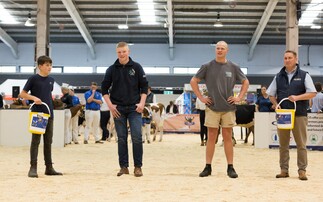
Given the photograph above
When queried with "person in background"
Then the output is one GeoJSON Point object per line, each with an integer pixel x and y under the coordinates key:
{"type": "Point", "coordinates": [200, 106]}
{"type": "Point", "coordinates": [126, 101]}
{"type": "Point", "coordinates": [220, 76]}
{"type": "Point", "coordinates": [263, 103]}
{"type": "Point", "coordinates": [151, 97]}
{"type": "Point", "coordinates": [296, 85]}
{"type": "Point", "coordinates": [75, 118]}
{"type": "Point", "coordinates": [104, 120]}
{"type": "Point", "coordinates": [93, 100]}
{"type": "Point", "coordinates": [41, 86]}
{"type": "Point", "coordinates": [171, 108]}
{"type": "Point", "coordinates": [68, 103]}
{"type": "Point", "coordinates": [1, 101]}
{"type": "Point", "coordinates": [316, 103]}
{"type": "Point", "coordinates": [5, 106]}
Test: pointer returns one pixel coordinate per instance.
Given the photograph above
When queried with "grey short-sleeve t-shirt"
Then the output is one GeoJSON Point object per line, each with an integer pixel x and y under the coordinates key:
{"type": "Point", "coordinates": [220, 79]}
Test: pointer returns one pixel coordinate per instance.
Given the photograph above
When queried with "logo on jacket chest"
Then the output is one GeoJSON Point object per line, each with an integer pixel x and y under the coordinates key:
{"type": "Point", "coordinates": [132, 72]}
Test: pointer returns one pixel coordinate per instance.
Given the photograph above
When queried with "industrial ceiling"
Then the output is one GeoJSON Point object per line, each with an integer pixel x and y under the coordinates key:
{"type": "Point", "coordinates": [177, 21]}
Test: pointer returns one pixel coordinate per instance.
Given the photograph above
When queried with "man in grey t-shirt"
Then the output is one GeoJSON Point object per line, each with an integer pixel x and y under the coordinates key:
{"type": "Point", "coordinates": [220, 76]}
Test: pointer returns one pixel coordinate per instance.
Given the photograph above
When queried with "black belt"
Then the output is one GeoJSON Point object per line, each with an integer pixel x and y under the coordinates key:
{"type": "Point", "coordinates": [93, 109]}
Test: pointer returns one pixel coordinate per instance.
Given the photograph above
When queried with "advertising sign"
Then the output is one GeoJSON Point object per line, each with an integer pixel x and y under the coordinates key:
{"type": "Point", "coordinates": [314, 132]}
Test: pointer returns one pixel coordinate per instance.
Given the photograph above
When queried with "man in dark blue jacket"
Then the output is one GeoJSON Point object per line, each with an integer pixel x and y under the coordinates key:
{"type": "Point", "coordinates": [296, 85]}
{"type": "Point", "coordinates": [126, 101]}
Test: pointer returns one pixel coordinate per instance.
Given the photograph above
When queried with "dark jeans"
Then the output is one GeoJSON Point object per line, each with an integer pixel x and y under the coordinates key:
{"type": "Point", "coordinates": [104, 119]}
{"type": "Point", "coordinates": [128, 113]}
{"type": "Point", "coordinates": [48, 139]}
{"type": "Point", "coordinates": [203, 128]}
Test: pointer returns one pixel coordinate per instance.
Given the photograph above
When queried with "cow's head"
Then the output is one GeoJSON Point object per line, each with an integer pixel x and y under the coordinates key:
{"type": "Point", "coordinates": [145, 113]}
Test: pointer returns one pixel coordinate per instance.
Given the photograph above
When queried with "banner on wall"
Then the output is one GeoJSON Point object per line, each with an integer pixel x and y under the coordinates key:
{"type": "Point", "coordinates": [314, 132]}
{"type": "Point", "coordinates": [182, 123]}
{"type": "Point", "coordinates": [187, 103]}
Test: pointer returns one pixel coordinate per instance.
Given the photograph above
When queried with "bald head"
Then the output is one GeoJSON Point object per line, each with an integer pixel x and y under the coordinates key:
{"type": "Point", "coordinates": [221, 50]}
{"type": "Point", "coordinates": [222, 43]}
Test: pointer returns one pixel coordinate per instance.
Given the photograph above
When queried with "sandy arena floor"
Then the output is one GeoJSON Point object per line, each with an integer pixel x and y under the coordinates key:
{"type": "Point", "coordinates": [170, 170]}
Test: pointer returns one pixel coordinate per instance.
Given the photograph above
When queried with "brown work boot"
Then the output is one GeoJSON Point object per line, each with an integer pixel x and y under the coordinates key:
{"type": "Point", "coordinates": [122, 171]}
{"type": "Point", "coordinates": [137, 172]}
{"type": "Point", "coordinates": [282, 175]}
{"type": "Point", "coordinates": [302, 175]}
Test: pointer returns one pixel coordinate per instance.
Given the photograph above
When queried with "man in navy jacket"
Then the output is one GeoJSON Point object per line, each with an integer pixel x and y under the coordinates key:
{"type": "Point", "coordinates": [126, 101]}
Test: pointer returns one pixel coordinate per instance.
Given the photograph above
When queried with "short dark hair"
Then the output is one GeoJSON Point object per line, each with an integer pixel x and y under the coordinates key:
{"type": "Point", "coordinates": [318, 86]}
{"type": "Point", "coordinates": [44, 59]}
{"type": "Point", "coordinates": [94, 83]}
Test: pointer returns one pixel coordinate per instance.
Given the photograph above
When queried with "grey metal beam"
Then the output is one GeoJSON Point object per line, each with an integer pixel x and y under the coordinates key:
{"type": "Point", "coordinates": [170, 28]}
{"type": "Point", "coordinates": [6, 38]}
{"type": "Point", "coordinates": [261, 26]}
{"type": "Point", "coordinates": [69, 5]}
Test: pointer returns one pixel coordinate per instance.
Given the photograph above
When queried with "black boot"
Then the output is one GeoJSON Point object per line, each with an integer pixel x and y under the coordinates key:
{"type": "Point", "coordinates": [231, 172]}
{"type": "Point", "coordinates": [50, 171]}
{"type": "Point", "coordinates": [33, 171]}
{"type": "Point", "coordinates": [207, 171]}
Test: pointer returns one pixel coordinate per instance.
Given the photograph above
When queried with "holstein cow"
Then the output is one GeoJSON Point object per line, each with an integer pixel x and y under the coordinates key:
{"type": "Point", "coordinates": [146, 124]}
{"type": "Point", "coordinates": [158, 115]}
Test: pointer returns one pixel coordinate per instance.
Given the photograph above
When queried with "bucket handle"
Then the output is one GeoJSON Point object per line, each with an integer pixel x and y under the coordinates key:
{"type": "Point", "coordinates": [284, 100]}
{"type": "Point", "coordinates": [41, 103]}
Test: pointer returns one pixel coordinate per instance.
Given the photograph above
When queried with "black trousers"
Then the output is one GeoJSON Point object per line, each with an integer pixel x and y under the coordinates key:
{"type": "Point", "coordinates": [104, 119]}
{"type": "Point", "coordinates": [48, 140]}
{"type": "Point", "coordinates": [203, 129]}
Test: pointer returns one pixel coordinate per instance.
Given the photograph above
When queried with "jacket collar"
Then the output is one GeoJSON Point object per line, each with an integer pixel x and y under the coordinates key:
{"type": "Point", "coordinates": [283, 70]}
{"type": "Point", "coordinates": [118, 64]}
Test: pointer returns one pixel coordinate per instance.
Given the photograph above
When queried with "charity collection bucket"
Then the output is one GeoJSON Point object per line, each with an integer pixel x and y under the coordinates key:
{"type": "Point", "coordinates": [285, 117]}
{"type": "Point", "coordinates": [38, 120]}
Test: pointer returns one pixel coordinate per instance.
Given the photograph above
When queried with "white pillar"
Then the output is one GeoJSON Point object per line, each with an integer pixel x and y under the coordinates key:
{"type": "Point", "coordinates": [291, 27]}
{"type": "Point", "coordinates": [43, 27]}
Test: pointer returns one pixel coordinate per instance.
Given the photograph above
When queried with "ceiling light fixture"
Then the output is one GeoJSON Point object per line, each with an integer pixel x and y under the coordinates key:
{"type": "Point", "coordinates": [6, 17]}
{"type": "Point", "coordinates": [124, 26]}
{"type": "Point", "coordinates": [147, 12]}
{"type": "Point", "coordinates": [316, 27]}
{"type": "Point", "coordinates": [218, 23]}
{"type": "Point", "coordinates": [29, 23]}
{"type": "Point", "coordinates": [311, 14]}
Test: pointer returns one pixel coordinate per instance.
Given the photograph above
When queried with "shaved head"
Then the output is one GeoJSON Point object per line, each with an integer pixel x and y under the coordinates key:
{"type": "Point", "coordinates": [222, 43]}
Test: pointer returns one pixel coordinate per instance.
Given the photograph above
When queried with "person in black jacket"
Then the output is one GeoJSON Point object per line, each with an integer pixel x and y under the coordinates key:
{"type": "Point", "coordinates": [171, 108]}
{"type": "Point", "coordinates": [151, 98]}
{"type": "Point", "coordinates": [126, 101]}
